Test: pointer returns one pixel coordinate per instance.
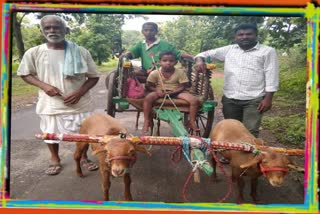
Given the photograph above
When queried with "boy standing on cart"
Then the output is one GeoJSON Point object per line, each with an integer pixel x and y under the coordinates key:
{"type": "Point", "coordinates": [148, 50]}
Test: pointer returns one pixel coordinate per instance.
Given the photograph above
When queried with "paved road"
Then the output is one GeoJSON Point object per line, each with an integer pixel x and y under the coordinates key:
{"type": "Point", "coordinates": [155, 178]}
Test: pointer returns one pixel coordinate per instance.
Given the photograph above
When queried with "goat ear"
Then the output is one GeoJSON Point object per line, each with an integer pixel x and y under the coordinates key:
{"type": "Point", "coordinates": [141, 149]}
{"type": "Point", "coordinates": [253, 161]}
{"type": "Point", "coordinates": [259, 141]}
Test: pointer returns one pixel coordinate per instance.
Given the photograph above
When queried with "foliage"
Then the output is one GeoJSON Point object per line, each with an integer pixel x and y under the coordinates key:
{"type": "Point", "coordinates": [293, 74]}
{"type": "Point", "coordinates": [108, 66]}
{"type": "Point", "coordinates": [289, 130]}
{"type": "Point", "coordinates": [286, 32]}
{"type": "Point", "coordinates": [15, 66]}
{"type": "Point", "coordinates": [293, 58]}
{"type": "Point", "coordinates": [96, 35]}
{"type": "Point", "coordinates": [195, 34]}
{"type": "Point", "coordinates": [289, 125]}
{"type": "Point", "coordinates": [130, 37]}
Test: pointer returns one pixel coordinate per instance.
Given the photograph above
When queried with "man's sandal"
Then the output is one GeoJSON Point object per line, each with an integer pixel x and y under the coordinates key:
{"type": "Point", "coordinates": [91, 166]}
{"type": "Point", "coordinates": [53, 169]}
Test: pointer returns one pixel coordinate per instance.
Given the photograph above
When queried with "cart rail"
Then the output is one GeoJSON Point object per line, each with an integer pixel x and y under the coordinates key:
{"type": "Point", "coordinates": [195, 142]}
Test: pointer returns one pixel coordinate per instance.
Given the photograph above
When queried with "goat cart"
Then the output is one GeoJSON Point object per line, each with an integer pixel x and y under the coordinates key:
{"type": "Point", "coordinates": [171, 110]}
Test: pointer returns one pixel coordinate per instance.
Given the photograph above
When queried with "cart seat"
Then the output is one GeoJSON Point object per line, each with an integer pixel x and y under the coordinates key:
{"type": "Point", "coordinates": [181, 104]}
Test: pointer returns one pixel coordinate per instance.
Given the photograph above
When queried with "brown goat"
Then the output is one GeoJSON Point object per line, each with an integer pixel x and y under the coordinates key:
{"type": "Point", "coordinates": [273, 165]}
{"type": "Point", "coordinates": [115, 156]}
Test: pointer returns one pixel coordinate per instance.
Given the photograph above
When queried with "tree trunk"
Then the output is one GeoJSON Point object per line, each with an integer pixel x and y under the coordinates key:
{"type": "Point", "coordinates": [18, 35]}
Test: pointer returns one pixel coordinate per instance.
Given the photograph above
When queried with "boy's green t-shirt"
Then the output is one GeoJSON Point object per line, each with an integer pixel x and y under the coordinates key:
{"type": "Point", "coordinates": [139, 50]}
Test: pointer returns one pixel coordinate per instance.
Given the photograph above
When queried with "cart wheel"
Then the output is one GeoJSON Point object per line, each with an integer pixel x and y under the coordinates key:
{"type": "Point", "coordinates": [106, 82]}
{"type": "Point", "coordinates": [111, 108]}
{"type": "Point", "coordinates": [205, 119]}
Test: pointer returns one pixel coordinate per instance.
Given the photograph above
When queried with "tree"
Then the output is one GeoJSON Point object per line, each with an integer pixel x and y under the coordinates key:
{"type": "Point", "coordinates": [96, 34]}
{"type": "Point", "coordinates": [130, 37]}
{"type": "Point", "coordinates": [286, 32]}
{"type": "Point", "coordinates": [202, 32]}
{"type": "Point", "coordinates": [16, 26]}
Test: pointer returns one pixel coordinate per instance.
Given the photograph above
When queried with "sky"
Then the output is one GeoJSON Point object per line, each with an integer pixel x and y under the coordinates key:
{"type": "Point", "coordinates": [136, 23]}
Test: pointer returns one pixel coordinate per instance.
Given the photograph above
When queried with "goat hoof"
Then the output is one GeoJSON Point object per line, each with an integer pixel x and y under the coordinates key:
{"type": "Point", "coordinates": [256, 200]}
{"type": "Point", "coordinates": [214, 179]}
{"type": "Point", "coordinates": [240, 201]}
{"type": "Point", "coordinates": [80, 175]}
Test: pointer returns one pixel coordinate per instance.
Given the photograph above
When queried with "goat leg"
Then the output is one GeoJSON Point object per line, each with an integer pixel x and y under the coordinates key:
{"type": "Point", "coordinates": [253, 193]}
{"type": "Point", "coordinates": [239, 188]}
{"type": "Point", "coordinates": [80, 147]}
{"type": "Point", "coordinates": [127, 183]}
{"type": "Point", "coordinates": [213, 177]}
{"type": "Point", "coordinates": [105, 175]}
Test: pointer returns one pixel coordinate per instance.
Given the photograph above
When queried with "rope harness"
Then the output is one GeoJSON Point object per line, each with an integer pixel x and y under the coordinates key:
{"type": "Point", "coordinates": [132, 159]}
{"type": "Point", "coordinates": [198, 164]}
{"type": "Point", "coordinates": [268, 169]}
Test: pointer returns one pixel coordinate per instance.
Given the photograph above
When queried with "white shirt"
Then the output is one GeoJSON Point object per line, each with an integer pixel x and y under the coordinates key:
{"type": "Point", "coordinates": [248, 74]}
{"type": "Point", "coordinates": [47, 65]}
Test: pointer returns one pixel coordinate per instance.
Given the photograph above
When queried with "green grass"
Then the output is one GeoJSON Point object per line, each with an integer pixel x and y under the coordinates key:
{"type": "Point", "coordinates": [15, 66]}
{"type": "Point", "coordinates": [289, 130]}
{"type": "Point", "coordinates": [108, 66]}
{"type": "Point", "coordinates": [217, 85]}
{"type": "Point", "coordinates": [20, 88]}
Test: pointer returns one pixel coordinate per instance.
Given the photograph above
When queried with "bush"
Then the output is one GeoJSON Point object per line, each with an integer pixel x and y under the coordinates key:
{"type": "Point", "coordinates": [107, 66]}
{"type": "Point", "coordinates": [292, 88]}
{"type": "Point", "coordinates": [15, 66]}
{"type": "Point", "coordinates": [289, 130]}
{"type": "Point", "coordinates": [288, 124]}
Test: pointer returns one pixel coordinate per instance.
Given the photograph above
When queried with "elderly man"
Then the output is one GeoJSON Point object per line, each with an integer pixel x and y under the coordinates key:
{"type": "Point", "coordinates": [64, 73]}
{"type": "Point", "coordinates": [251, 77]}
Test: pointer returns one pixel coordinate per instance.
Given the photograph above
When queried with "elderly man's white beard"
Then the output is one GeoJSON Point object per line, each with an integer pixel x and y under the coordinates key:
{"type": "Point", "coordinates": [54, 38]}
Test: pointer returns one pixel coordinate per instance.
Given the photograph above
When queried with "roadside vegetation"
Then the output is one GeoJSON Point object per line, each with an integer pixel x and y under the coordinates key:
{"type": "Point", "coordinates": [96, 32]}
{"type": "Point", "coordinates": [287, 119]}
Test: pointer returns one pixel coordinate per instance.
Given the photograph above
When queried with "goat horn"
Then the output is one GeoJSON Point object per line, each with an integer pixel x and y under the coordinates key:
{"type": "Point", "coordinates": [297, 168]}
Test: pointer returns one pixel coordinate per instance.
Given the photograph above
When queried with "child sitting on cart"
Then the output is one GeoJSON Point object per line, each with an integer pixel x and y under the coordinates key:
{"type": "Point", "coordinates": [172, 81]}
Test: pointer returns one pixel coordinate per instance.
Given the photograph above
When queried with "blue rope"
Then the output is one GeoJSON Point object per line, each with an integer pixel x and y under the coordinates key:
{"type": "Point", "coordinates": [186, 148]}
{"type": "Point", "coordinates": [204, 148]}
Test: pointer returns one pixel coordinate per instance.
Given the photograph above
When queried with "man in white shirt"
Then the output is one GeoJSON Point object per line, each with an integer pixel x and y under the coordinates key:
{"type": "Point", "coordinates": [251, 76]}
{"type": "Point", "coordinates": [64, 74]}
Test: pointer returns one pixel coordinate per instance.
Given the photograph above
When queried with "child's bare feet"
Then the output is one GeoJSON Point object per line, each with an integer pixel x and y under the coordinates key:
{"type": "Point", "coordinates": [145, 128]}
